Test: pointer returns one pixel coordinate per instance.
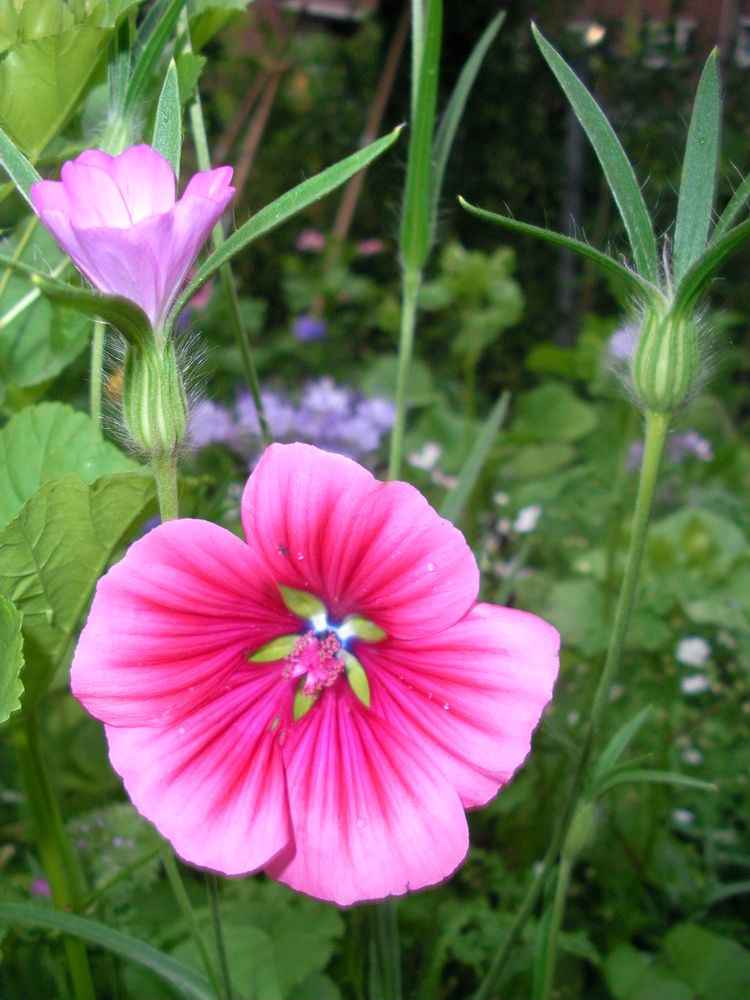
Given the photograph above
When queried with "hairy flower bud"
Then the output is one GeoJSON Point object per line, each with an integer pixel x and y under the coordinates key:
{"type": "Point", "coordinates": [665, 363]}
{"type": "Point", "coordinates": [154, 402]}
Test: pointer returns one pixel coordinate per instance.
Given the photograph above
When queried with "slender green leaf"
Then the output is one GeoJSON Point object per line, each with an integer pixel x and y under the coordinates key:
{"type": "Point", "coordinates": [735, 205]}
{"type": "Point", "coordinates": [17, 166]}
{"type": "Point", "coordinates": [446, 132]}
{"type": "Point", "coordinates": [619, 744]}
{"type": "Point", "coordinates": [54, 552]}
{"type": "Point", "coordinates": [454, 502]}
{"type": "Point", "coordinates": [189, 982]}
{"type": "Point", "coordinates": [699, 169]}
{"type": "Point", "coordinates": [695, 280]}
{"type": "Point", "coordinates": [49, 441]}
{"type": "Point", "coordinates": [633, 281]}
{"type": "Point", "coordinates": [167, 135]}
{"type": "Point", "coordinates": [118, 68]}
{"type": "Point", "coordinates": [415, 220]}
{"type": "Point", "coordinates": [614, 162]}
{"type": "Point", "coordinates": [11, 659]}
{"type": "Point", "coordinates": [125, 316]}
{"type": "Point", "coordinates": [148, 56]}
{"type": "Point", "coordinates": [728, 890]}
{"type": "Point", "coordinates": [280, 210]}
{"type": "Point", "coordinates": [656, 777]}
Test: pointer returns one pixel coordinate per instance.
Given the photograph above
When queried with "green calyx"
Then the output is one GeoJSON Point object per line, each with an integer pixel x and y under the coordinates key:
{"type": "Point", "coordinates": [154, 401]}
{"type": "Point", "coordinates": [666, 359]}
{"type": "Point", "coordinates": [306, 605]}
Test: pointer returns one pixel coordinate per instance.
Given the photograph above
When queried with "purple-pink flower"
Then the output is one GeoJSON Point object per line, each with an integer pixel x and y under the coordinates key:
{"type": "Point", "coordinates": [337, 745]}
{"type": "Point", "coordinates": [117, 219]}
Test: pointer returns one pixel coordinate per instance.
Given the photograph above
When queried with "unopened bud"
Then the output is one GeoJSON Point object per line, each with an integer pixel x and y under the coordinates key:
{"type": "Point", "coordinates": [665, 363]}
{"type": "Point", "coordinates": [154, 402]}
{"type": "Point", "coordinates": [580, 830]}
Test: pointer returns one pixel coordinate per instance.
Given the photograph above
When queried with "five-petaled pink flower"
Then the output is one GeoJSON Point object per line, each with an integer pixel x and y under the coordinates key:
{"type": "Point", "coordinates": [117, 219]}
{"type": "Point", "coordinates": [242, 728]}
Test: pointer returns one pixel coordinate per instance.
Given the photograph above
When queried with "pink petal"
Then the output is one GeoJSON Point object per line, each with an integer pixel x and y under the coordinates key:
{"type": "Point", "coordinates": [214, 785]}
{"type": "Point", "coordinates": [211, 184]}
{"type": "Point", "coordinates": [470, 697]}
{"type": "Point", "coordinates": [172, 623]}
{"type": "Point", "coordinates": [146, 180]}
{"type": "Point", "coordinates": [364, 547]}
{"type": "Point", "coordinates": [94, 196]}
{"type": "Point", "coordinates": [371, 817]}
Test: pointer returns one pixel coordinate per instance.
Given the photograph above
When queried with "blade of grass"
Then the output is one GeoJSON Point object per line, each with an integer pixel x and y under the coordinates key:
{"type": "Point", "coordinates": [695, 279]}
{"type": "Point", "coordinates": [415, 219]}
{"type": "Point", "coordinates": [700, 166]}
{"type": "Point", "coordinates": [17, 167]}
{"type": "Point", "coordinates": [614, 162]}
{"type": "Point", "coordinates": [634, 282]}
{"type": "Point", "coordinates": [149, 54]}
{"type": "Point", "coordinates": [734, 206]}
{"type": "Point", "coordinates": [454, 109]}
{"type": "Point", "coordinates": [281, 209]}
{"type": "Point", "coordinates": [182, 977]}
{"type": "Point", "coordinates": [454, 502]}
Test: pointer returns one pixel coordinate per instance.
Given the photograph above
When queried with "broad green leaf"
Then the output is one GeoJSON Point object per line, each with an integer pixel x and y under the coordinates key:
{"type": "Point", "coordinates": [633, 282]}
{"type": "Point", "coordinates": [54, 552]}
{"type": "Point", "coordinates": [49, 441]}
{"type": "Point", "coordinates": [633, 975]}
{"type": "Point", "coordinates": [553, 412]}
{"type": "Point", "coordinates": [280, 210]}
{"type": "Point", "coordinates": [125, 316]}
{"type": "Point", "coordinates": [186, 980]}
{"type": "Point", "coordinates": [167, 135]}
{"type": "Point", "coordinates": [415, 219]}
{"type": "Point", "coordinates": [41, 82]}
{"type": "Point", "coordinates": [695, 280]}
{"type": "Point", "coordinates": [456, 499]}
{"type": "Point", "coordinates": [207, 17]}
{"type": "Point", "coordinates": [147, 56]}
{"type": "Point", "coordinates": [698, 185]}
{"type": "Point", "coordinates": [11, 659]}
{"type": "Point", "coordinates": [614, 162]}
{"type": "Point", "coordinates": [454, 110]}
{"type": "Point", "coordinates": [714, 966]}
{"type": "Point", "coordinates": [17, 167]}
{"type": "Point", "coordinates": [618, 745]}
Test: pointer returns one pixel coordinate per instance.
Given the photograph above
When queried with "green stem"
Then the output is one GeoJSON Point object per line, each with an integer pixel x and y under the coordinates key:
{"type": "Point", "coordinates": [657, 427]}
{"type": "Point", "coordinates": [203, 156]}
{"type": "Point", "coordinates": [386, 952]}
{"type": "Point", "coordinates": [58, 859]}
{"type": "Point", "coordinates": [18, 249]}
{"type": "Point", "coordinates": [164, 468]}
{"type": "Point", "coordinates": [97, 359]}
{"type": "Point", "coordinates": [188, 915]}
{"type": "Point", "coordinates": [212, 884]}
{"type": "Point", "coordinates": [409, 297]}
{"type": "Point", "coordinates": [558, 911]}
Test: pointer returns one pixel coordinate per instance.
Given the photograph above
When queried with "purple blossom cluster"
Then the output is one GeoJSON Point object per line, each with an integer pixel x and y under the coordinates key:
{"type": "Point", "coordinates": [331, 416]}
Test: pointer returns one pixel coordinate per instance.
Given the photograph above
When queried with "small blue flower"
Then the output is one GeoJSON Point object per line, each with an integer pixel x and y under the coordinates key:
{"type": "Point", "coordinates": [308, 327]}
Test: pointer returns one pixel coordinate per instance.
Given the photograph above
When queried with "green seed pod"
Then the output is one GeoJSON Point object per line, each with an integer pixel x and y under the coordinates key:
{"type": "Point", "coordinates": [154, 402]}
{"type": "Point", "coordinates": [665, 363]}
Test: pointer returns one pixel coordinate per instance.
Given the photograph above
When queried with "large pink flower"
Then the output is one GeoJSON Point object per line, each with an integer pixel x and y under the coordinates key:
{"type": "Point", "coordinates": [116, 217]}
{"type": "Point", "coordinates": [248, 755]}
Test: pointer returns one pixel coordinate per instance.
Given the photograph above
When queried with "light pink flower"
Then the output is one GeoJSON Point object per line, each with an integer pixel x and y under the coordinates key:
{"type": "Point", "coordinates": [345, 802]}
{"type": "Point", "coordinates": [117, 219]}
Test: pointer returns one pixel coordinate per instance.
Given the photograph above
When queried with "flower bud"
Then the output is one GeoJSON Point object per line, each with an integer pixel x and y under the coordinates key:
{"type": "Point", "coordinates": [665, 363]}
{"type": "Point", "coordinates": [154, 402]}
{"type": "Point", "coordinates": [580, 830]}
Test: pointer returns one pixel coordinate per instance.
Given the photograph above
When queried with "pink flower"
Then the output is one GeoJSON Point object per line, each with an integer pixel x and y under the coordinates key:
{"type": "Point", "coordinates": [116, 217]}
{"type": "Point", "coordinates": [310, 241]}
{"type": "Point", "coordinates": [250, 756]}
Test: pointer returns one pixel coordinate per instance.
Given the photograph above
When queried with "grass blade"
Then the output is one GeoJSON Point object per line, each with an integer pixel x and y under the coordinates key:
{"type": "Point", "coordinates": [446, 133]}
{"type": "Point", "coordinates": [167, 136]}
{"type": "Point", "coordinates": [284, 208]}
{"type": "Point", "coordinates": [454, 502]}
{"type": "Point", "coordinates": [415, 219]}
{"type": "Point", "coordinates": [615, 164]}
{"type": "Point", "coordinates": [634, 282]}
{"type": "Point", "coordinates": [182, 977]}
{"type": "Point", "coordinates": [734, 206]}
{"type": "Point", "coordinates": [698, 185]}
{"type": "Point", "coordinates": [150, 53]}
{"type": "Point", "coordinates": [694, 281]}
{"type": "Point", "coordinates": [17, 167]}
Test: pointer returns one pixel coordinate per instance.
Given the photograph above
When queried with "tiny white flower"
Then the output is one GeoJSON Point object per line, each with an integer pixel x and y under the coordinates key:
{"type": "Point", "coordinates": [683, 817]}
{"type": "Point", "coordinates": [527, 519]}
{"type": "Point", "coordinates": [695, 683]}
{"type": "Point", "coordinates": [500, 498]}
{"type": "Point", "coordinates": [427, 457]}
{"type": "Point", "coordinates": [692, 756]}
{"type": "Point", "coordinates": [693, 651]}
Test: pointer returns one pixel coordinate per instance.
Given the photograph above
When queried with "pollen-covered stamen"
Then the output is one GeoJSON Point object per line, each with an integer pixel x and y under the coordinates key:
{"type": "Point", "coordinates": [318, 660]}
